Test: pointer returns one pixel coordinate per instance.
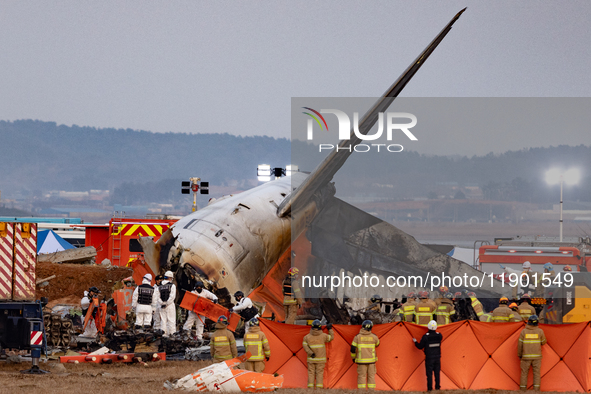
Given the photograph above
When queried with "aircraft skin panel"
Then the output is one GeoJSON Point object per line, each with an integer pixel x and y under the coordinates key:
{"type": "Point", "coordinates": [235, 240]}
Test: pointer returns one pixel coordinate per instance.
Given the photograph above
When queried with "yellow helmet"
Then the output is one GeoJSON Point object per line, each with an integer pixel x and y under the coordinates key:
{"type": "Point", "coordinates": [293, 271]}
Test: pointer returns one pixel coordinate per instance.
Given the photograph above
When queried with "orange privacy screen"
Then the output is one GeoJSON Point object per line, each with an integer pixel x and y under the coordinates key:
{"type": "Point", "coordinates": [475, 355]}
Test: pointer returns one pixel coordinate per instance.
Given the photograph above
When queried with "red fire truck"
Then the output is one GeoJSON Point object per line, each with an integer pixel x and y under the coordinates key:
{"type": "Point", "coordinates": [513, 252]}
{"type": "Point", "coordinates": [118, 240]}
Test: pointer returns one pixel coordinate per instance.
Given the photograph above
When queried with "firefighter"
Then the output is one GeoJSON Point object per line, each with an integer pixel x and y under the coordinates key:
{"type": "Point", "coordinates": [373, 310]}
{"type": "Point", "coordinates": [407, 310]}
{"type": "Point", "coordinates": [445, 312]}
{"type": "Point", "coordinates": [529, 350]}
{"type": "Point", "coordinates": [363, 352]}
{"type": "Point", "coordinates": [156, 310]}
{"type": "Point", "coordinates": [255, 342]}
{"type": "Point", "coordinates": [195, 318]}
{"type": "Point", "coordinates": [567, 268]}
{"type": "Point", "coordinates": [143, 301]}
{"type": "Point", "coordinates": [431, 345]}
{"type": "Point", "coordinates": [292, 296]}
{"type": "Point", "coordinates": [516, 316]}
{"type": "Point", "coordinates": [222, 345]}
{"type": "Point", "coordinates": [430, 300]}
{"type": "Point", "coordinates": [443, 290]}
{"type": "Point", "coordinates": [167, 292]}
{"type": "Point", "coordinates": [525, 310]}
{"type": "Point", "coordinates": [315, 346]}
{"type": "Point", "coordinates": [424, 310]}
{"type": "Point", "coordinates": [502, 314]}
{"type": "Point", "coordinates": [245, 307]}
{"type": "Point", "coordinates": [476, 304]}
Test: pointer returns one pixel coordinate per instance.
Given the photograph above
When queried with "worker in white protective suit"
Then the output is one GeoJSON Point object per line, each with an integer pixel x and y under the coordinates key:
{"type": "Point", "coordinates": [90, 331]}
{"type": "Point", "coordinates": [530, 280]}
{"type": "Point", "coordinates": [245, 308]}
{"type": "Point", "coordinates": [156, 308]}
{"type": "Point", "coordinates": [143, 301]}
{"type": "Point", "coordinates": [195, 318]}
{"type": "Point", "coordinates": [167, 292]}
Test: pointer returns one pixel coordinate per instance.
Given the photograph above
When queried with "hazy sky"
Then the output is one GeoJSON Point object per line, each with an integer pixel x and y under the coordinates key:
{"type": "Point", "coordinates": [201, 66]}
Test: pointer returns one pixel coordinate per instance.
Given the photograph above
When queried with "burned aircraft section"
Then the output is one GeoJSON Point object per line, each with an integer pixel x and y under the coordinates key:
{"type": "Point", "coordinates": [233, 242]}
{"type": "Point", "coordinates": [348, 241]}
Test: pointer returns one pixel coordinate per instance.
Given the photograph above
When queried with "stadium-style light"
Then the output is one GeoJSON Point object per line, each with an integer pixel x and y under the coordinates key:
{"type": "Point", "coordinates": [290, 169]}
{"type": "Point", "coordinates": [556, 176]}
{"type": "Point", "coordinates": [264, 172]}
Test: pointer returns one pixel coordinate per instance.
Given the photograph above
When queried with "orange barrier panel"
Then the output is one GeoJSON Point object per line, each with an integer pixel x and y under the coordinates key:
{"type": "Point", "coordinates": [475, 355]}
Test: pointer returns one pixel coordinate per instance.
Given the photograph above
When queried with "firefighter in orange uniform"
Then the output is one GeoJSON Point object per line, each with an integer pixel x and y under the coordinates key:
{"type": "Point", "coordinates": [445, 312]}
{"type": "Point", "coordinates": [363, 352]}
{"type": "Point", "coordinates": [255, 342]}
{"type": "Point", "coordinates": [292, 295]}
{"type": "Point", "coordinates": [529, 350]}
{"type": "Point", "coordinates": [525, 309]}
{"type": "Point", "coordinates": [424, 310]}
{"type": "Point", "coordinates": [502, 314]}
{"type": "Point", "coordinates": [315, 347]}
{"type": "Point", "coordinates": [222, 345]}
{"type": "Point", "coordinates": [407, 310]}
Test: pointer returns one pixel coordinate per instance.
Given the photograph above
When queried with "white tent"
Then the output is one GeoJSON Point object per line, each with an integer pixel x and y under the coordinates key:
{"type": "Point", "coordinates": [49, 242]}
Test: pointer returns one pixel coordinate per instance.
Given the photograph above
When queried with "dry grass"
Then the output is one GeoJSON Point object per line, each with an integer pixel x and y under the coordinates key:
{"type": "Point", "coordinates": [126, 379]}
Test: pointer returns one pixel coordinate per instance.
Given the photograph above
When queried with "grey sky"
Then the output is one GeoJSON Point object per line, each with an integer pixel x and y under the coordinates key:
{"type": "Point", "coordinates": [200, 66]}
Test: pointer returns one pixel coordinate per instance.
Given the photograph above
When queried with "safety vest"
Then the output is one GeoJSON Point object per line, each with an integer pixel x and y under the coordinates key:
{"type": "Point", "coordinates": [408, 311]}
{"type": "Point", "coordinates": [257, 344]}
{"type": "Point", "coordinates": [477, 306]}
{"type": "Point", "coordinates": [424, 312]}
{"type": "Point", "coordinates": [530, 343]}
{"type": "Point", "coordinates": [222, 344]}
{"type": "Point", "coordinates": [526, 310]}
{"type": "Point", "coordinates": [315, 343]}
{"type": "Point", "coordinates": [444, 312]}
{"type": "Point", "coordinates": [144, 294]}
{"type": "Point", "coordinates": [502, 314]}
{"type": "Point", "coordinates": [291, 291]}
{"type": "Point", "coordinates": [363, 348]}
{"type": "Point", "coordinates": [165, 291]}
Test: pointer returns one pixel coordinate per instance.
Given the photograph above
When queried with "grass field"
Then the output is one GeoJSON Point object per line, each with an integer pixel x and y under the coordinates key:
{"type": "Point", "coordinates": [123, 379]}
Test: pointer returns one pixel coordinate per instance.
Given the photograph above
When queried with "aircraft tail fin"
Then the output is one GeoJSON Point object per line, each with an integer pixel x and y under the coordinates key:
{"type": "Point", "coordinates": [335, 160]}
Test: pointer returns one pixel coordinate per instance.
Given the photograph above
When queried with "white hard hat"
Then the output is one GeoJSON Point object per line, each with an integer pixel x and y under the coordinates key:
{"type": "Point", "coordinates": [432, 325]}
{"type": "Point", "coordinates": [526, 264]}
{"type": "Point", "coordinates": [148, 277]}
{"type": "Point", "coordinates": [168, 274]}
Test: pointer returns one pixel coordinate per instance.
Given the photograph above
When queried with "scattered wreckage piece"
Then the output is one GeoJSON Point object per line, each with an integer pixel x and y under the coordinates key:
{"type": "Point", "coordinates": [113, 358]}
{"type": "Point", "coordinates": [207, 308]}
{"type": "Point", "coordinates": [223, 377]}
{"type": "Point", "coordinates": [78, 255]}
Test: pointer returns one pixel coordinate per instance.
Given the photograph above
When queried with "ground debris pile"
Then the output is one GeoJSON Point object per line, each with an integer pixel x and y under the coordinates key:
{"type": "Point", "coordinates": [71, 280]}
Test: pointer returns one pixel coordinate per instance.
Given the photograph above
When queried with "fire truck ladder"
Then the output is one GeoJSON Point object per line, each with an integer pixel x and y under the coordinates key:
{"type": "Point", "coordinates": [117, 236]}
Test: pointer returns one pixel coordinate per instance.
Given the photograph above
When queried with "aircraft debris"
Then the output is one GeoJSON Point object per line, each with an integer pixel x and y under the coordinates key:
{"type": "Point", "coordinates": [225, 378]}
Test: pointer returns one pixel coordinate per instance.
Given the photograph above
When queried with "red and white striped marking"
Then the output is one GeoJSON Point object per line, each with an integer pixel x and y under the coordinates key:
{"type": "Point", "coordinates": [6, 252]}
{"type": "Point", "coordinates": [36, 337]}
{"type": "Point", "coordinates": [25, 258]}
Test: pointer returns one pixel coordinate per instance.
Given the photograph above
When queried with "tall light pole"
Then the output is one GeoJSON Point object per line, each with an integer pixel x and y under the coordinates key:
{"type": "Point", "coordinates": [570, 177]}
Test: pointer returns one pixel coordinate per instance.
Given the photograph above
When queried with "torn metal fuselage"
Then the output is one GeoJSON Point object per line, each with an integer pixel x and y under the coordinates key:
{"type": "Point", "coordinates": [234, 241]}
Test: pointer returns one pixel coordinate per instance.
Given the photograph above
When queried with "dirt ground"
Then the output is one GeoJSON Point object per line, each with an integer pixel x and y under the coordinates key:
{"type": "Point", "coordinates": [125, 378]}
{"type": "Point", "coordinates": [73, 279]}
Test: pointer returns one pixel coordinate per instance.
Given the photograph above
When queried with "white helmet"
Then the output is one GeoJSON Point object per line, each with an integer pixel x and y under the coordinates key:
{"type": "Point", "coordinates": [148, 277]}
{"type": "Point", "coordinates": [432, 325]}
{"type": "Point", "coordinates": [526, 265]}
{"type": "Point", "coordinates": [168, 274]}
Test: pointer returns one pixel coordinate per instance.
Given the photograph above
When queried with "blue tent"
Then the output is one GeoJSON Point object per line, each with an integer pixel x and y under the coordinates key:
{"type": "Point", "coordinates": [49, 242]}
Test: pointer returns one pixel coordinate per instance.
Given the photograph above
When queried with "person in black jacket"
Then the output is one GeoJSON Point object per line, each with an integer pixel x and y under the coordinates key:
{"type": "Point", "coordinates": [431, 345]}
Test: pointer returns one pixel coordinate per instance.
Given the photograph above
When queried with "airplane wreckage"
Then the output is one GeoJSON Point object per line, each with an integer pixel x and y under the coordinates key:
{"type": "Point", "coordinates": [234, 242]}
